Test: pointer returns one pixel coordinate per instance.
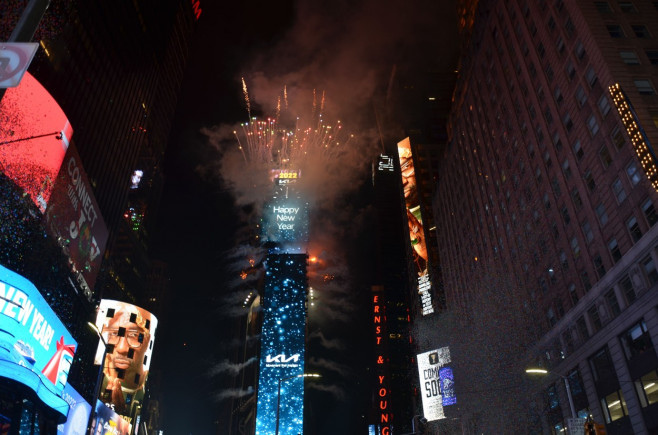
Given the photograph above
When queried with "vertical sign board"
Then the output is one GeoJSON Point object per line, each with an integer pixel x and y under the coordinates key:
{"type": "Point", "coordinates": [34, 135]}
{"type": "Point", "coordinates": [35, 347]}
{"type": "Point", "coordinates": [383, 415]}
{"type": "Point", "coordinates": [73, 218]}
{"type": "Point", "coordinates": [436, 382]}
{"type": "Point", "coordinates": [416, 229]}
{"type": "Point", "coordinates": [108, 422]}
{"type": "Point", "coordinates": [130, 333]}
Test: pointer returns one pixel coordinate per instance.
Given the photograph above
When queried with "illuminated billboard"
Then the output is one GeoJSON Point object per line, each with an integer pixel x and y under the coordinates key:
{"type": "Point", "coordinates": [34, 136]}
{"type": "Point", "coordinates": [74, 220]}
{"type": "Point", "coordinates": [129, 332]}
{"type": "Point", "coordinates": [285, 216]}
{"type": "Point", "coordinates": [382, 394]}
{"type": "Point", "coordinates": [108, 422]}
{"type": "Point", "coordinates": [437, 383]}
{"type": "Point", "coordinates": [416, 229]}
{"type": "Point", "coordinates": [282, 345]}
{"type": "Point", "coordinates": [35, 347]}
{"type": "Point", "coordinates": [78, 418]}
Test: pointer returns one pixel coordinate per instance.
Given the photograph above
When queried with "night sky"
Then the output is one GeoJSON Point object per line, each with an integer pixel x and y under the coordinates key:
{"type": "Point", "coordinates": [347, 49]}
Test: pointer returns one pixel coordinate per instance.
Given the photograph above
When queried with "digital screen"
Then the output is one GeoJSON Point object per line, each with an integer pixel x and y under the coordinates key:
{"type": "Point", "coordinates": [78, 418]}
{"type": "Point", "coordinates": [35, 347]}
{"type": "Point", "coordinates": [34, 136]}
{"type": "Point", "coordinates": [416, 229]}
{"type": "Point", "coordinates": [74, 220]}
{"type": "Point", "coordinates": [285, 216]}
{"type": "Point", "coordinates": [282, 345]}
{"type": "Point", "coordinates": [108, 422]}
{"type": "Point", "coordinates": [436, 382]}
{"type": "Point", "coordinates": [129, 332]}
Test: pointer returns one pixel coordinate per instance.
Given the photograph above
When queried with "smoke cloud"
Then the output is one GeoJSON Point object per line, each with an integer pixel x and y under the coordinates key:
{"type": "Point", "coordinates": [233, 393]}
{"type": "Point", "coordinates": [229, 367]}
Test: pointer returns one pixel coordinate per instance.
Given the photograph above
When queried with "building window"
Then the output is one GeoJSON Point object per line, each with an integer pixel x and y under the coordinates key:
{"type": "Point", "coordinates": [581, 325]}
{"type": "Point", "coordinates": [587, 230]}
{"type": "Point", "coordinates": [644, 87]}
{"type": "Point", "coordinates": [575, 247]}
{"type": "Point", "coordinates": [604, 105]}
{"type": "Point", "coordinates": [649, 212]}
{"type": "Point", "coordinates": [615, 253]}
{"type": "Point", "coordinates": [629, 57]}
{"type": "Point", "coordinates": [566, 169]}
{"type": "Point", "coordinates": [634, 229]}
{"type": "Point", "coordinates": [618, 138]}
{"type": "Point", "coordinates": [650, 270]}
{"type": "Point", "coordinates": [636, 340]}
{"type": "Point", "coordinates": [558, 95]}
{"type": "Point", "coordinates": [615, 30]}
{"type": "Point", "coordinates": [570, 70]}
{"type": "Point", "coordinates": [568, 122]}
{"type": "Point", "coordinates": [579, 51]}
{"type": "Point", "coordinates": [565, 215]}
{"type": "Point", "coordinates": [628, 290]}
{"type": "Point", "coordinates": [589, 180]}
{"type": "Point", "coordinates": [601, 365]}
{"type": "Point", "coordinates": [612, 303]}
{"type": "Point", "coordinates": [599, 266]}
{"type": "Point", "coordinates": [627, 7]}
{"type": "Point", "coordinates": [592, 124]}
{"type": "Point", "coordinates": [614, 406]}
{"type": "Point", "coordinates": [573, 293]}
{"type": "Point", "coordinates": [647, 388]}
{"type": "Point", "coordinates": [550, 316]}
{"type": "Point", "coordinates": [594, 318]}
{"type": "Point", "coordinates": [584, 278]}
{"type": "Point", "coordinates": [641, 31]}
{"type": "Point", "coordinates": [559, 45]}
{"type": "Point", "coordinates": [618, 189]}
{"type": "Point", "coordinates": [575, 197]}
{"type": "Point", "coordinates": [603, 7]}
{"type": "Point", "coordinates": [591, 77]}
{"type": "Point", "coordinates": [581, 96]}
{"type": "Point", "coordinates": [652, 55]}
{"type": "Point", "coordinates": [578, 150]}
{"type": "Point", "coordinates": [602, 215]}
{"type": "Point", "coordinates": [606, 158]}
{"type": "Point", "coordinates": [633, 173]}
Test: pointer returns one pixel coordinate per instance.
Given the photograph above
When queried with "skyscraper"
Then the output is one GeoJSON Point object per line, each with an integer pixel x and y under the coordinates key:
{"type": "Point", "coordinates": [545, 211]}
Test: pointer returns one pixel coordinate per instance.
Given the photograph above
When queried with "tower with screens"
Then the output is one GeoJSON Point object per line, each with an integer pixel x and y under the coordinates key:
{"type": "Point", "coordinates": [280, 405]}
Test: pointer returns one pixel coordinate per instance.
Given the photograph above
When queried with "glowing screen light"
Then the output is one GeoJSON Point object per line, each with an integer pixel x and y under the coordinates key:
{"type": "Point", "coordinates": [35, 347]}
{"type": "Point", "coordinates": [76, 423]}
{"type": "Point", "coordinates": [436, 382]}
{"type": "Point", "coordinates": [282, 346]}
{"type": "Point", "coordinates": [34, 136]}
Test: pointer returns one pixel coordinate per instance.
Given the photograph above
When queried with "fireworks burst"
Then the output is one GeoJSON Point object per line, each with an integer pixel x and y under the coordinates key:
{"type": "Point", "coordinates": [271, 142]}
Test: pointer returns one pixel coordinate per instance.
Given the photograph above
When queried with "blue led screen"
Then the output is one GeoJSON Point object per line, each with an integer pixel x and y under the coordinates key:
{"type": "Point", "coordinates": [282, 345]}
{"type": "Point", "coordinates": [76, 422]}
{"type": "Point", "coordinates": [35, 347]}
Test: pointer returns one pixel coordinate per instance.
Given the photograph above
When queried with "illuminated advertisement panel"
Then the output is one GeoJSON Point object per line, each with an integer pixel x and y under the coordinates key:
{"type": "Point", "coordinates": [285, 216]}
{"type": "Point", "coordinates": [35, 347]}
{"type": "Point", "coordinates": [76, 422]}
{"type": "Point", "coordinates": [415, 221]}
{"type": "Point", "coordinates": [282, 346]}
{"type": "Point", "coordinates": [382, 391]}
{"type": "Point", "coordinates": [74, 220]}
{"type": "Point", "coordinates": [129, 332]}
{"type": "Point", "coordinates": [436, 382]}
{"type": "Point", "coordinates": [34, 135]}
{"type": "Point", "coordinates": [108, 422]}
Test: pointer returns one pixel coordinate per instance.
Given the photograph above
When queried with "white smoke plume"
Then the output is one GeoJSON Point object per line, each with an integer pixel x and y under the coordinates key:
{"type": "Point", "coordinates": [233, 393]}
{"type": "Point", "coordinates": [230, 368]}
{"type": "Point", "coordinates": [327, 343]}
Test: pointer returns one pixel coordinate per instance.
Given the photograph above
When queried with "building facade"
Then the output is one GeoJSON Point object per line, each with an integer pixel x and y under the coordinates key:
{"type": "Point", "coordinates": [545, 207]}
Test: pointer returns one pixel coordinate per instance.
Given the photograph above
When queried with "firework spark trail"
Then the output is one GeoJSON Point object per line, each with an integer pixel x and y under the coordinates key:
{"type": "Point", "coordinates": [246, 97]}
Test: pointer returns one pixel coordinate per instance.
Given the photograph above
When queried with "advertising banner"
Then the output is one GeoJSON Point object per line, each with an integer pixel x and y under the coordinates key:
{"type": "Point", "coordinates": [285, 216]}
{"type": "Point", "coordinates": [415, 221]}
{"type": "Point", "coordinates": [129, 332]}
{"type": "Point", "coordinates": [35, 347]}
{"type": "Point", "coordinates": [76, 422]}
{"type": "Point", "coordinates": [74, 220]}
{"type": "Point", "coordinates": [108, 422]}
{"type": "Point", "coordinates": [34, 135]}
{"type": "Point", "coordinates": [436, 382]}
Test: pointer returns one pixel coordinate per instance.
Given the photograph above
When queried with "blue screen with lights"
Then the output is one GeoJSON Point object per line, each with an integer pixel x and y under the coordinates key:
{"type": "Point", "coordinates": [282, 346]}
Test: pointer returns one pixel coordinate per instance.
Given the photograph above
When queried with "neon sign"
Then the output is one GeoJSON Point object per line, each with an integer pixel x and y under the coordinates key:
{"type": "Point", "coordinates": [382, 408]}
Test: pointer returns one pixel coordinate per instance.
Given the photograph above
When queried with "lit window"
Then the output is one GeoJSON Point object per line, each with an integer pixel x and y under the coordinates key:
{"type": "Point", "coordinates": [629, 57]}
{"type": "Point", "coordinates": [647, 388]}
{"type": "Point", "coordinates": [614, 406]}
{"type": "Point", "coordinates": [633, 173]}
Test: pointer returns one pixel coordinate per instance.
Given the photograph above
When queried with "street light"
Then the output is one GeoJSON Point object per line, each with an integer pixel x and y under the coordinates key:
{"type": "Point", "coordinates": [538, 371]}
{"type": "Point", "coordinates": [278, 396]}
{"type": "Point", "coordinates": [99, 379]}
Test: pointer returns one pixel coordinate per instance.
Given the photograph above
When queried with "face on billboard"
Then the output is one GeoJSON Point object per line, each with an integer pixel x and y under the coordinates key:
{"type": "Point", "coordinates": [129, 332]}
{"type": "Point", "coordinates": [34, 133]}
{"type": "Point", "coordinates": [33, 341]}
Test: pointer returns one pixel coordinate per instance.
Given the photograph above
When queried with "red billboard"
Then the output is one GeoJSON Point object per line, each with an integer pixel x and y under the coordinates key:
{"type": "Point", "coordinates": [74, 220]}
{"type": "Point", "coordinates": [34, 136]}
